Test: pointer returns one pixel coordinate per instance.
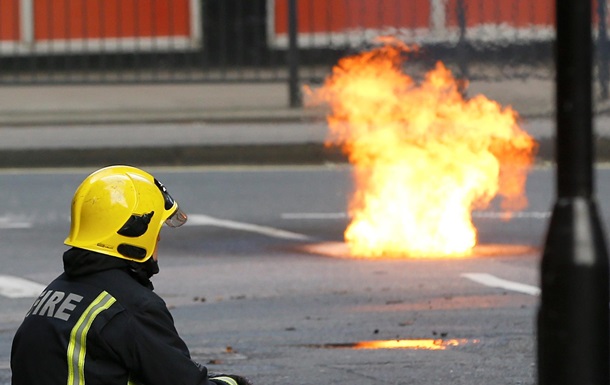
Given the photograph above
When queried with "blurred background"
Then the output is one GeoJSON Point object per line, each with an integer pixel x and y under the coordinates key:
{"type": "Point", "coordinates": [271, 41]}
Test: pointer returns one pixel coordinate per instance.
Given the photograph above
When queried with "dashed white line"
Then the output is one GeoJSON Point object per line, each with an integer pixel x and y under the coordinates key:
{"type": "Point", "coordinates": [493, 281]}
{"type": "Point", "coordinates": [7, 222]}
{"type": "Point", "coordinates": [512, 215]}
{"type": "Point", "coordinates": [194, 220]}
{"type": "Point", "coordinates": [205, 220]}
{"type": "Point", "coordinates": [15, 287]}
{"type": "Point", "coordinates": [314, 215]}
{"type": "Point", "coordinates": [475, 214]}
{"type": "Point", "coordinates": [14, 223]}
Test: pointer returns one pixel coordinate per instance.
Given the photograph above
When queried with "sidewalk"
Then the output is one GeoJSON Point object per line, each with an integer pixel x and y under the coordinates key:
{"type": "Point", "coordinates": [158, 103]}
{"type": "Point", "coordinates": [94, 125]}
{"type": "Point", "coordinates": [248, 102]}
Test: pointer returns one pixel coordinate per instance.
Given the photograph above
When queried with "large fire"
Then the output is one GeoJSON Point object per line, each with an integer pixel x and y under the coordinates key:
{"type": "Point", "coordinates": [423, 155]}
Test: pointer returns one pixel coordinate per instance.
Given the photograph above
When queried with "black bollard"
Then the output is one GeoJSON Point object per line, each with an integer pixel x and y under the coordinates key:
{"type": "Point", "coordinates": [573, 320]}
{"type": "Point", "coordinates": [294, 93]}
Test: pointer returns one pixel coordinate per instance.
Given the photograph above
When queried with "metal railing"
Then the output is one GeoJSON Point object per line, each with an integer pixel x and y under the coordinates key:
{"type": "Point", "coordinates": [172, 41]}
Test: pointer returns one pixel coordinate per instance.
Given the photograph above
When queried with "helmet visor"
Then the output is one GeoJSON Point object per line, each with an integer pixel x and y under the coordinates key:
{"type": "Point", "coordinates": [177, 219]}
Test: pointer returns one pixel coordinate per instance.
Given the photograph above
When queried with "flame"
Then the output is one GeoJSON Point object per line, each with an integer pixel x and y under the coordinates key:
{"type": "Point", "coordinates": [421, 344]}
{"type": "Point", "coordinates": [415, 344]}
{"type": "Point", "coordinates": [423, 155]}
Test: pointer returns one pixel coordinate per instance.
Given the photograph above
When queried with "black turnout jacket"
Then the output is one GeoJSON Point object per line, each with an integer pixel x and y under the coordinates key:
{"type": "Point", "coordinates": [100, 323]}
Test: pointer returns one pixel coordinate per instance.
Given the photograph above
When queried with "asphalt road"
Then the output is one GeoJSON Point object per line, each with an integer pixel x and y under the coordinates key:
{"type": "Point", "coordinates": [249, 298]}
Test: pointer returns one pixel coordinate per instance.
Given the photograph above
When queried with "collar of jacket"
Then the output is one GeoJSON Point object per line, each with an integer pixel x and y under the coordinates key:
{"type": "Point", "coordinates": [78, 262]}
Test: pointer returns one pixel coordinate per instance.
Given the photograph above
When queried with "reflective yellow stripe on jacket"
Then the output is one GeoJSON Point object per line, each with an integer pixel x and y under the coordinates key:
{"type": "Point", "coordinates": [77, 347]}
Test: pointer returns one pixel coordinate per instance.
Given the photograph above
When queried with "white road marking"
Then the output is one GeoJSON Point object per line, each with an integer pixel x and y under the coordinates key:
{"type": "Point", "coordinates": [512, 215]}
{"type": "Point", "coordinates": [205, 220]}
{"type": "Point", "coordinates": [475, 214]}
{"type": "Point", "coordinates": [493, 281]}
{"type": "Point", "coordinates": [15, 287]}
{"type": "Point", "coordinates": [314, 215]}
{"type": "Point", "coordinates": [8, 222]}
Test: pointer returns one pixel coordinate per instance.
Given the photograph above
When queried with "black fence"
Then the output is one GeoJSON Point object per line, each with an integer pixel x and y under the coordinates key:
{"type": "Point", "coordinates": [145, 41]}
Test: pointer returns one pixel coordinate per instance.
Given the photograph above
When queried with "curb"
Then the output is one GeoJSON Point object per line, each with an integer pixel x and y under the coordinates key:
{"type": "Point", "coordinates": [99, 117]}
{"type": "Point", "coordinates": [286, 154]}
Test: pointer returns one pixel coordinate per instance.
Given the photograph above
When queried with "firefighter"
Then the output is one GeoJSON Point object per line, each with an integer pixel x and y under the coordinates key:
{"type": "Point", "coordinates": [100, 321]}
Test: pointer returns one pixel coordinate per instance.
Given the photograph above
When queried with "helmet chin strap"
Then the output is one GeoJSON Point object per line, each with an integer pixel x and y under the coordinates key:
{"type": "Point", "coordinates": [144, 271]}
{"type": "Point", "coordinates": [151, 267]}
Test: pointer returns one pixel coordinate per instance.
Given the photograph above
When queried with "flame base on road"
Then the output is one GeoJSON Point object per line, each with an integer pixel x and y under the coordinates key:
{"type": "Point", "coordinates": [341, 250]}
{"type": "Point", "coordinates": [415, 344]}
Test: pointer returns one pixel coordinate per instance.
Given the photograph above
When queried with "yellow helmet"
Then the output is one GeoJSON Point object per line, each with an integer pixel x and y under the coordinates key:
{"type": "Point", "coordinates": [119, 211]}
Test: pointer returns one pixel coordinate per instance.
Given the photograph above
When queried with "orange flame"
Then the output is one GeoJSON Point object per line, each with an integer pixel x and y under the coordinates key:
{"type": "Point", "coordinates": [422, 344]}
{"type": "Point", "coordinates": [424, 156]}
